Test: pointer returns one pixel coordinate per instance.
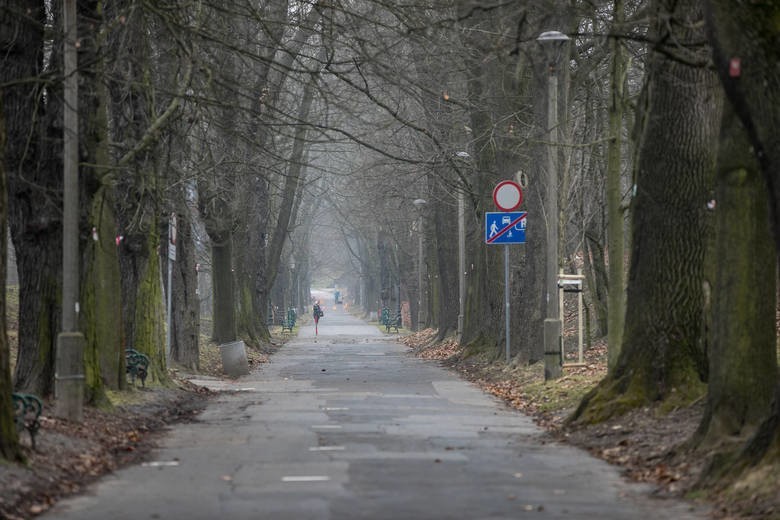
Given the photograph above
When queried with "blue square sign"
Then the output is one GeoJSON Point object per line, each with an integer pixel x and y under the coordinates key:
{"type": "Point", "coordinates": [505, 227]}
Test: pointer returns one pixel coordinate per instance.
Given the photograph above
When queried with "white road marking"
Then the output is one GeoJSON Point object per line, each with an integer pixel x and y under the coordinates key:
{"type": "Point", "coordinates": [160, 463]}
{"type": "Point", "coordinates": [326, 448]}
{"type": "Point", "coordinates": [306, 478]}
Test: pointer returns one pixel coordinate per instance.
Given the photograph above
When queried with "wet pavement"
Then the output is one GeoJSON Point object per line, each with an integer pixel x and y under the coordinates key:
{"type": "Point", "coordinates": [348, 425]}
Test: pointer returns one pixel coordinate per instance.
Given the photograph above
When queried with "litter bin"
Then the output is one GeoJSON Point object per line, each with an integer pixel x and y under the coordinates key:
{"type": "Point", "coordinates": [234, 362]}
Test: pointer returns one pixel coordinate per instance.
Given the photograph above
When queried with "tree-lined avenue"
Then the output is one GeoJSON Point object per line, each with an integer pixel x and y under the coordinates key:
{"type": "Point", "coordinates": [348, 425]}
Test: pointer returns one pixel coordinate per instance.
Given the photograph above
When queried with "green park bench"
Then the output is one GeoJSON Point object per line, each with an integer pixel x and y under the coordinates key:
{"type": "Point", "coordinates": [27, 414]}
{"type": "Point", "coordinates": [137, 365]}
{"type": "Point", "coordinates": [287, 325]}
{"type": "Point", "coordinates": [390, 321]}
{"type": "Point", "coordinates": [288, 322]}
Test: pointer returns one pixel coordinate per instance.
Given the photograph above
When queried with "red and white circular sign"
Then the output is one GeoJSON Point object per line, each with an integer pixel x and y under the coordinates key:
{"type": "Point", "coordinates": [507, 195]}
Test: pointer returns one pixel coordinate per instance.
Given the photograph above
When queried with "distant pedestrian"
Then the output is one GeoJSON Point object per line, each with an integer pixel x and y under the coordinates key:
{"type": "Point", "coordinates": [317, 313]}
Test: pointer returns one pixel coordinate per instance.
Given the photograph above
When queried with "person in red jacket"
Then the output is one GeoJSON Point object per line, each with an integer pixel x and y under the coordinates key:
{"type": "Point", "coordinates": [317, 313]}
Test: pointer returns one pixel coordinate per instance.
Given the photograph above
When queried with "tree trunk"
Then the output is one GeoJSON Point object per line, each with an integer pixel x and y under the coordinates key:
{"type": "Point", "coordinates": [745, 52]}
{"type": "Point", "coordinates": [743, 358]}
{"type": "Point", "coordinates": [100, 291]}
{"type": "Point", "coordinates": [662, 357]}
{"type": "Point", "coordinates": [101, 302]}
{"type": "Point", "coordinates": [484, 294]}
{"type": "Point", "coordinates": [615, 219]}
{"type": "Point", "coordinates": [596, 266]}
{"type": "Point", "coordinates": [143, 313]}
{"type": "Point", "coordinates": [502, 86]}
{"type": "Point", "coordinates": [445, 253]}
{"type": "Point", "coordinates": [295, 174]}
{"type": "Point", "coordinates": [34, 180]}
{"type": "Point", "coordinates": [259, 272]}
{"type": "Point", "coordinates": [224, 290]}
{"type": "Point", "coordinates": [185, 335]}
{"type": "Point", "coordinates": [9, 440]}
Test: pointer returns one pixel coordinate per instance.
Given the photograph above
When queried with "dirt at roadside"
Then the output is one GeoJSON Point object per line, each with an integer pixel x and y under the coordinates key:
{"type": "Point", "coordinates": [69, 456]}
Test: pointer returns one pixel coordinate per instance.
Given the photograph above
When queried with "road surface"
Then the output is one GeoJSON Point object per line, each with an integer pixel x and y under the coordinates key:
{"type": "Point", "coordinates": [348, 425]}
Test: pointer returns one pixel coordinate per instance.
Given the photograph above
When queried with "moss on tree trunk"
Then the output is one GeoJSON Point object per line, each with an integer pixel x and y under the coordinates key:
{"type": "Point", "coordinates": [102, 305]}
{"type": "Point", "coordinates": [749, 32]}
{"type": "Point", "coordinates": [743, 359]}
{"type": "Point", "coordinates": [149, 323]}
{"type": "Point", "coordinates": [101, 288]}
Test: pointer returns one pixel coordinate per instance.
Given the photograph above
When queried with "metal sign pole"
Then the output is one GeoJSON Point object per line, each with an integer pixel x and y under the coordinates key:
{"type": "Point", "coordinates": [501, 228]}
{"type": "Point", "coordinates": [506, 297]}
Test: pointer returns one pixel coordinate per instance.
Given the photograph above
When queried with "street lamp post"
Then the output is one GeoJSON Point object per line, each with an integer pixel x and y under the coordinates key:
{"type": "Point", "coordinates": [461, 253]}
{"type": "Point", "coordinates": [293, 282]}
{"type": "Point", "coordinates": [552, 42]}
{"type": "Point", "coordinates": [69, 358]}
{"type": "Point", "coordinates": [421, 300]}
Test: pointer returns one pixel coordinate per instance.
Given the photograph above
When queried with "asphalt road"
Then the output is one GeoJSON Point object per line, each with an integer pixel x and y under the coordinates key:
{"type": "Point", "coordinates": [348, 425]}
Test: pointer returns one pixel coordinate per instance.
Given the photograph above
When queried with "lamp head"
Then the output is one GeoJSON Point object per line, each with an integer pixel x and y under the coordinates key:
{"type": "Point", "coordinates": [552, 42]}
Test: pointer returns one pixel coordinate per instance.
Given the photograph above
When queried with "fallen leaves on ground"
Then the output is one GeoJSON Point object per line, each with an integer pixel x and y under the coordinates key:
{"type": "Point", "coordinates": [70, 455]}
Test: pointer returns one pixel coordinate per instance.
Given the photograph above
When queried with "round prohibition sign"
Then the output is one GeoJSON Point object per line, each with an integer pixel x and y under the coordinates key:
{"type": "Point", "coordinates": [507, 195]}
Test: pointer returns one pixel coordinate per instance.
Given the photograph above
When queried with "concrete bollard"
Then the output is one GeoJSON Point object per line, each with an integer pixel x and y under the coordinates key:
{"type": "Point", "coordinates": [69, 376]}
{"type": "Point", "coordinates": [234, 361]}
{"type": "Point", "coordinates": [552, 349]}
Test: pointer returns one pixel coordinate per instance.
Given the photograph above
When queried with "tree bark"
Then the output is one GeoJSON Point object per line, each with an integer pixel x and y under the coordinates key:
{"type": "Point", "coordinates": [615, 218]}
{"type": "Point", "coordinates": [185, 335]}
{"type": "Point", "coordinates": [34, 129]}
{"type": "Point", "coordinates": [662, 357]}
{"type": "Point", "coordinates": [743, 358]}
{"type": "Point", "coordinates": [100, 291]}
{"type": "Point", "coordinates": [101, 301]}
{"type": "Point", "coordinates": [746, 53]}
{"type": "Point", "coordinates": [445, 252]}
{"type": "Point", "coordinates": [596, 266]}
{"type": "Point", "coordinates": [138, 122]}
{"type": "Point", "coordinates": [224, 289]}
{"type": "Point", "coordinates": [484, 294]}
{"type": "Point", "coordinates": [9, 439]}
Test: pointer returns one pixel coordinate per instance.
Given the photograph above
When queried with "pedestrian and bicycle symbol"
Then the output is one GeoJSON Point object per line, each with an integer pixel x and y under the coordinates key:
{"type": "Point", "coordinates": [505, 227]}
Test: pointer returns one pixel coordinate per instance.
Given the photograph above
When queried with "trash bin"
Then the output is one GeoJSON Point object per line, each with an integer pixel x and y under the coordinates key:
{"type": "Point", "coordinates": [234, 361]}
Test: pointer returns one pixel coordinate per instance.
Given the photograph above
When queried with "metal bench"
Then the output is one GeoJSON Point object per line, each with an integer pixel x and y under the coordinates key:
{"type": "Point", "coordinates": [394, 322]}
{"type": "Point", "coordinates": [137, 365]}
{"type": "Point", "coordinates": [287, 325]}
{"type": "Point", "coordinates": [390, 322]}
{"type": "Point", "coordinates": [289, 322]}
{"type": "Point", "coordinates": [27, 414]}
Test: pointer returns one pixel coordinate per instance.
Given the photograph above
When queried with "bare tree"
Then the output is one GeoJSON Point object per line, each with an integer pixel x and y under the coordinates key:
{"type": "Point", "coordinates": [662, 358]}
{"type": "Point", "coordinates": [741, 36]}
{"type": "Point", "coordinates": [33, 115]}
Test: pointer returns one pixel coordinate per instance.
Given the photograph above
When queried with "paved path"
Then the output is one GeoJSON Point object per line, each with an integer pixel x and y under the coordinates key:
{"type": "Point", "coordinates": [349, 426]}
